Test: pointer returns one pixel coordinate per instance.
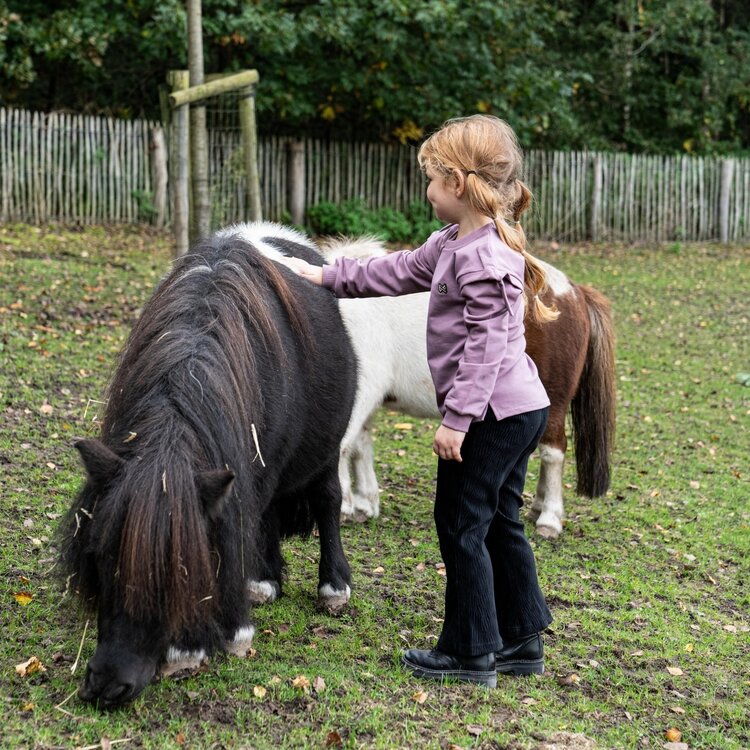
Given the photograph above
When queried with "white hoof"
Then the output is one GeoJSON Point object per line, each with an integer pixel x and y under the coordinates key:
{"type": "Point", "coordinates": [242, 642]}
{"type": "Point", "coordinates": [178, 660]}
{"type": "Point", "coordinates": [262, 592]}
{"type": "Point", "coordinates": [366, 506]}
{"type": "Point", "coordinates": [331, 600]}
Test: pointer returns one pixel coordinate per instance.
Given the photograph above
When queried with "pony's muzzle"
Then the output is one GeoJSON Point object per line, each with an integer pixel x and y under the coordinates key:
{"type": "Point", "coordinates": [110, 686]}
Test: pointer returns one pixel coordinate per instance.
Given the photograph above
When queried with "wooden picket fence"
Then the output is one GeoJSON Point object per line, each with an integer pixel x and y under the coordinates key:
{"type": "Point", "coordinates": [79, 169]}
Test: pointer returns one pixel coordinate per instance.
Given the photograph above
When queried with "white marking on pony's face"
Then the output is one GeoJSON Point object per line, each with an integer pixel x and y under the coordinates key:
{"type": "Point", "coordinates": [255, 232]}
{"type": "Point", "coordinates": [177, 660]}
{"type": "Point", "coordinates": [557, 281]}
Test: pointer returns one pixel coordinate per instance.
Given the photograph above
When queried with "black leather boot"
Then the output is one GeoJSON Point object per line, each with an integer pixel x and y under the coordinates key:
{"type": "Point", "coordinates": [521, 656]}
{"type": "Point", "coordinates": [437, 665]}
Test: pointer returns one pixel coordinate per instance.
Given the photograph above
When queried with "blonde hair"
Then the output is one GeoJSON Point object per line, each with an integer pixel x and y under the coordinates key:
{"type": "Point", "coordinates": [486, 150]}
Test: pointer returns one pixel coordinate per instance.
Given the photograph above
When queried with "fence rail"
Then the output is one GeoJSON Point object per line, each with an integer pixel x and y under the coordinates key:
{"type": "Point", "coordinates": [81, 169]}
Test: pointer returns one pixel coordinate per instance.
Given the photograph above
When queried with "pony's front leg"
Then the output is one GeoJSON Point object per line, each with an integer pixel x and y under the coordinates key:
{"type": "Point", "coordinates": [263, 581]}
{"type": "Point", "coordinates": [334, 575]}
{"type": "Point", "coordinates": [345, 480]}
{"type": "Point", "coordinates": [548, 501]}
{"type": "Point", "coordinates": [367, 496]}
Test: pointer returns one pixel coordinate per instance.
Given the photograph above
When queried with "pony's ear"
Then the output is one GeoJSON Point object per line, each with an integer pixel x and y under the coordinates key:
{"type": "Point", "coordinates": [214, 487]}
{"type": "Point", "coordinates": [101, 463]}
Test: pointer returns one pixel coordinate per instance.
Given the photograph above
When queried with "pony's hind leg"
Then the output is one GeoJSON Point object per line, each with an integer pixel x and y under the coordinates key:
{"type": "Point", "coordinates": [547, 507]}
{"type": "Point", "coordinates": [334, 575]}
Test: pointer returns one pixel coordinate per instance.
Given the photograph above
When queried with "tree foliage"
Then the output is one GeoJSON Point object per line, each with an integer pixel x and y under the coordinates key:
{"type": "Point", "coordinates": [657, 75]}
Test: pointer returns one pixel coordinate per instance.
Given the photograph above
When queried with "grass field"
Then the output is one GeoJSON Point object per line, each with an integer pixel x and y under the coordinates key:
{"type": "Point", "coordinates": [650, 647]}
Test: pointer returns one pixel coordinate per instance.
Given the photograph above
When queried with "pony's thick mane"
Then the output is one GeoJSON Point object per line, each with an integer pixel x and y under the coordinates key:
{"type": "Point", "coordinates": [185, 398]}
{"type": "Point", "coordinates": [353, 247]}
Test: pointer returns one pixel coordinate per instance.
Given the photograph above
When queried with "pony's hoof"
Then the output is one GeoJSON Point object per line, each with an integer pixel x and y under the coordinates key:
{"type": "Point", "coordinates": [181, 661]}
{"type": "Point", "coordinates": [242, 643]}
{"type": "Point", "coordinates": [262, 592]}
{"type": "Point", "coordinates": [367, 507]}
{"type": "Point", "coordinates": [332, 601]}
{"type": "Point", "coordinates": [548, 532]}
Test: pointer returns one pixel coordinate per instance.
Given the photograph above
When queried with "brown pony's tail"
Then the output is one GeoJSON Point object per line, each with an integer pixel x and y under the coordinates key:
{"type": "Point", "coordinates": [593, 406]}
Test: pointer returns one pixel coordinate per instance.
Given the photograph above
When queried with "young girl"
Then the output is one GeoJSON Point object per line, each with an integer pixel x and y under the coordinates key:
{"type": "Point", "coordinates": [493, 404]}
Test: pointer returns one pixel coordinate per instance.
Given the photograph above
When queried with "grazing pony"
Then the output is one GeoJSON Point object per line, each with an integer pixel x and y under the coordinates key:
{"type": "Point", "coordinates": [574, 355]}
{"type": "Point", "coordinates": [221, 435]}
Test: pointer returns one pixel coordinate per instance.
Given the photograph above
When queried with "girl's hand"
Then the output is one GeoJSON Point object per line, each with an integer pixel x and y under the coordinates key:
{"type": "Point", "coordinates": [304, 269]}
{"type": "Point", "coordinates": [447, 443]}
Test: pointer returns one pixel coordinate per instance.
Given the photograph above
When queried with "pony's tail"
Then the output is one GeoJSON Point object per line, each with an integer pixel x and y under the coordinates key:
{"type": "Point", "coordinates": [593, 406]}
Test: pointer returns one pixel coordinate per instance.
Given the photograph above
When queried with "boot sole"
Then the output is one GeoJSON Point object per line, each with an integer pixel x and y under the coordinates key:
{"type": "Point", "coordinates": [486, 679]}
{"type": "Point", "coordinates": [521, 667]}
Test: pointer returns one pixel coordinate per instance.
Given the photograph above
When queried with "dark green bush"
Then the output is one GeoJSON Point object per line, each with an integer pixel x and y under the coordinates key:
{"type": "Point", "coordinates": [353, 218]}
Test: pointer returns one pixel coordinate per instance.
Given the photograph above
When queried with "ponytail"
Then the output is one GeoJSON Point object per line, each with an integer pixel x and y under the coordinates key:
{"type": "Point", "coordinates": [534, 276]}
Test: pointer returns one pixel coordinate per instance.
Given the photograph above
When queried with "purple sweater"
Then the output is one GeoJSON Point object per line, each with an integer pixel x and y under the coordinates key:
{"type": "Point", "coordinates": [476, 347]}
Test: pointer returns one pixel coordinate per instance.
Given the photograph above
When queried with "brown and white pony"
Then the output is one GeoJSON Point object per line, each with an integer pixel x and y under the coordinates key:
{"type": "Point", "coordinates": [574, 356]}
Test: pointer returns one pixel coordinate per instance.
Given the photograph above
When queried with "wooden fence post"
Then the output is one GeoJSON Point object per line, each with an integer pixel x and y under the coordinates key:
{"type": "Point", "coordinates": [296, 178]}
{"type": "Point", "coordinates": [725, 194]}
{"type": "Point", "coordinates": [179, 80]}
{"type": "Point", "coordinates": [250, 144]}
{"type": "Point", "coordinates": [596, 199]}
{"type": "Point", "coordinates": [159, 175]}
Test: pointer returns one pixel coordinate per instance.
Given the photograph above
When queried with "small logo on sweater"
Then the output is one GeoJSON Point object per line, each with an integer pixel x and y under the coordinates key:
{"type": "Point", "coordinates": [442, 288]}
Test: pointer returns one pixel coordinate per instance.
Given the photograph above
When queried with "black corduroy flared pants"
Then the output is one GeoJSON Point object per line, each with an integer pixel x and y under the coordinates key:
{"type": "Point", "coordinates": [492, 590]}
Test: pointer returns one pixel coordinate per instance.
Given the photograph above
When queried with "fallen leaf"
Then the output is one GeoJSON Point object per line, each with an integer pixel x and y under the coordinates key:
{"type": "Point", "coordinates": [180, 738]}
{"type": "Point", "coordinates": [675, 671]}
{"type": "Point", "coordinates": [30, 666]}
{"type": "Point", "coordinates": [259, 691]}
{"type": "Point", "coordinates": [529, 701]}
{"type": "Point", "coordinates": [474, 730]}
{"type": "Point", "coordinates": [333, 739]}
{"type": "Point", "coordinates": [677, 709]}
{"type": "Point", "coordinates": [420, 696]}
{"type": "Point", "coordinates": [673, 734]}
{"type": "Point", "coordinates": [23, 597]}
{"type": "Point", "coordinates": [403, 426]}
{"type": "Point", "coordinates": [319, 684]}
{"type": "Point", "coordinates": [379, 570]}
{"type": "Point", "coordinates": [46, 408]}
{"type": "Point", "coordinates": [301, 682]}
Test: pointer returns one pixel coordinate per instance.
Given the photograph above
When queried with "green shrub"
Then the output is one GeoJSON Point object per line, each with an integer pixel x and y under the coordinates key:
{"type": "Point", "coordinates": [353, 218]}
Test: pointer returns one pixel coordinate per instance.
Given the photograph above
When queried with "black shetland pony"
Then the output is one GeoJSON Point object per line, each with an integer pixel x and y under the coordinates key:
{"type": "Point", "coordinates": [221, 435]}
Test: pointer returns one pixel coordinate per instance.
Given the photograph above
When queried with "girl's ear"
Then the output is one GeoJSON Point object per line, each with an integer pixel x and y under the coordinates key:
{"type": "Point", "coordinates": [458, 178]}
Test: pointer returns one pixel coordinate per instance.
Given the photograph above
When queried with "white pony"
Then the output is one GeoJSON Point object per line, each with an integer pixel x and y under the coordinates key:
{"type": "Point", "coordinates": [574, 355]}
